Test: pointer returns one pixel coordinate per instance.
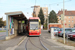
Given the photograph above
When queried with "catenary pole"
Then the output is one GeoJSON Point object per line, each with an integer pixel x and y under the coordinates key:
{"type": "Point", "coordinates": [64, 21]}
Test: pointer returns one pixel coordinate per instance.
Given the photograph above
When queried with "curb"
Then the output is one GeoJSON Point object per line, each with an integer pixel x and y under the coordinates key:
{"type": "Point", "coordinates": [22, 40]}
{"type": "Point", "coordinates": [13, 48]}
{"type": "Point", "coordinates": [60, 44]}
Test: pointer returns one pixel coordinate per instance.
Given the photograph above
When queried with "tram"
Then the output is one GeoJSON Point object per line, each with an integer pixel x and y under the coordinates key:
{"type": "Point", "coordinates": [34, 26]}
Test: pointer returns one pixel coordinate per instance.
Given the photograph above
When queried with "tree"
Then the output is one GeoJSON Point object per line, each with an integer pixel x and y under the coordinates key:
{"type": "Point", "coordinates": [45, 25]}
{"type": "Point", "coordinates": [1, 22]}
{"type": "Point", "coordinates": [4, 23]}
{"type": "Point", "coordinates": [41, 16]}
{"type": "Point", "coordinates": [53, 17]}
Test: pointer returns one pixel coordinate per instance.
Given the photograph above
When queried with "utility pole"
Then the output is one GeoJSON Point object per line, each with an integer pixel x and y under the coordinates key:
{"type": "Point", "coordinates": [34, 9]}
{"type": "Point", "coordinates": [64, 21]}
{"type": "Point", "coordinates": [35, 2]}
{"type": "Point", "coordinates": [34, 13]}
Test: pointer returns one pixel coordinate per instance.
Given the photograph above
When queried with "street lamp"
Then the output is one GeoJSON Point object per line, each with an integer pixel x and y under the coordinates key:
{"type": "Point", "coordinates": [64, 21]}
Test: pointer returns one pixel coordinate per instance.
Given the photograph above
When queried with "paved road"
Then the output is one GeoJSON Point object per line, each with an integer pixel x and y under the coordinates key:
{"type": "Point", "coordinates": [3, 28]}
{"type": "Point", "coordinates": [31, 43]}
{"type": "Point", "coordinates": [2, 35]}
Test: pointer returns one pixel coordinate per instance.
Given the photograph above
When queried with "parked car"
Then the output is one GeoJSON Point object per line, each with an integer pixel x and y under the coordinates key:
{"type": "Point", "coordinates": [55, 29]}
{"type": "Point", "coordinates": [59, 31]}
{"type": "Point", "coordinates": [67, 31]}
{"type": "Point", "coordinates": [72, 34]}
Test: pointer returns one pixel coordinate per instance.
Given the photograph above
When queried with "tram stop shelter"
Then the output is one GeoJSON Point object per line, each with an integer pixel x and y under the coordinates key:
{"type": "Point", "coordinates": [15, 24]}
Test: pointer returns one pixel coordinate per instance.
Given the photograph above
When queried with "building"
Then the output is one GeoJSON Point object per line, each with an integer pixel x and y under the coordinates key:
{"type": "Point", "coordinates": [69, 18]}
{"type": "Point", "coordinates": [55, 25]}
{"type": "Point", "coordinates": [37, 10]}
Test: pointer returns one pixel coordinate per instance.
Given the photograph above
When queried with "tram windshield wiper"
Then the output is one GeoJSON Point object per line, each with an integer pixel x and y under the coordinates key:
{"type": "Point", "coordinates": [35, 28]}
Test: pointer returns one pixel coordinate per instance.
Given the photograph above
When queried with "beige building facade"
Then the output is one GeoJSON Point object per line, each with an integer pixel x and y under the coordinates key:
{"type": "Point", "coordinates": [45, 11]}
{"type": "Point", "coordinates": [69, 18]}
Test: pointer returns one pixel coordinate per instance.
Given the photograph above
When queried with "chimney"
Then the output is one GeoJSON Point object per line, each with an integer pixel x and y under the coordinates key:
{"type": "Point", "coordinates": [65, 9]}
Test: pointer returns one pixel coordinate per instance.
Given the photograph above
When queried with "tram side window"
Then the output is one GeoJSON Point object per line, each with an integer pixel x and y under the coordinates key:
{"type": "Point", "coordinates": [39, 24]}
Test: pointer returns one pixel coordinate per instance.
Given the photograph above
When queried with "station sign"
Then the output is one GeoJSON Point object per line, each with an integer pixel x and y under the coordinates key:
{"type": "Point", "coordinates": [23, 21]}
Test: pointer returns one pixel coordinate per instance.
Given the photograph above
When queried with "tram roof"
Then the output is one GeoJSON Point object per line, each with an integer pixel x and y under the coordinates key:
{"type": "Point", "coordinates": [34, 18]}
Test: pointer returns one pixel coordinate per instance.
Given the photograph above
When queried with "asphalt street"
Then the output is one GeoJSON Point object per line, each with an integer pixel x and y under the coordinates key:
{"type": "Point", "coordinates": [31, 43]}
{"type": "Point", "coordinates": [2, 35]}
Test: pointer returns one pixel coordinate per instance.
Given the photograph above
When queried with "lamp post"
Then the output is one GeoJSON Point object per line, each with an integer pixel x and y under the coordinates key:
{"type": "Point", "coordinates": [64, 21]}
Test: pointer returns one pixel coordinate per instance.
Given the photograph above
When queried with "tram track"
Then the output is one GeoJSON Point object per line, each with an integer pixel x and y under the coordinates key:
{"type": "Point", "coordinates": [43, 44]}
{"type": "Point", "coordinates": [31, 43]}
{"type": "Point", "coordinates": [34, 45]}
{"type": "Point", "coordinates": [29, 40]}
{"type": "Point", "coordinates": [47, 43]}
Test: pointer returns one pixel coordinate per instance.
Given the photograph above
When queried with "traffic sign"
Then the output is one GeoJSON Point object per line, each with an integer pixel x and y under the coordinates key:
{"type": "Point", "coordinates": [62, 17]}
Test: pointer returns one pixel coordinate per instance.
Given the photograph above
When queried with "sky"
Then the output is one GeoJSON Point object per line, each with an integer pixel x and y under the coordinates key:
{"type": "Point", "coordinates": [25, 6]}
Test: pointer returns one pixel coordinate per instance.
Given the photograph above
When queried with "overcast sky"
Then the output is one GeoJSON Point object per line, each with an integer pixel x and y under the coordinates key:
{"type": "Point", "coordinates": [25, 6]}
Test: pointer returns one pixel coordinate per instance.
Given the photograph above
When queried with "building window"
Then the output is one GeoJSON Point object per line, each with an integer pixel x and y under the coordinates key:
{"type": "Point", "coordinates": [44, 12]}
{"type": "Point", "coordinates": [44, 15]}
{"type": "Point", "coordinates": [69, 17]}
{"type": "Point", "coordinates": [72, 20]}
{"type": "Point", "coordinates": [69, 24]}
{"type": "Point", "coordinates": [59, 18]}
{"type": "Point", "coordinates": [72, 17]}
{"type": "Point", "coordinates": [44, 9]}
{"type": "Point", "coordinates": [59, 21]}
{"type": "Point", "coordinates": [69, 21]}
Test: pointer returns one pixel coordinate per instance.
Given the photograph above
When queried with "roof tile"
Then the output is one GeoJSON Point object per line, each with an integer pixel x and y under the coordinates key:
{"type": "Point", "coordinates": [67, 13]}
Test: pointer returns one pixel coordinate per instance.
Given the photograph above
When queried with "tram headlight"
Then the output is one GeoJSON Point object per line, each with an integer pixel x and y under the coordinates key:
{"type": "Point", "coordinates": [37, 31]}
{"type": "Point", "coordinates": [29, 31]}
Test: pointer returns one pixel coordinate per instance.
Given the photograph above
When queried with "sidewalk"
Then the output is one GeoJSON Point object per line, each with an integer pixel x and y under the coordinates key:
{"type": "Point", "coordinates": [57, 44]}
{"type": "Point", "coordinates": [61, 45]}
{"type": "Point", "coordinates": [10, 43]}
{"type": "Point", "coordinates": [2, 35]}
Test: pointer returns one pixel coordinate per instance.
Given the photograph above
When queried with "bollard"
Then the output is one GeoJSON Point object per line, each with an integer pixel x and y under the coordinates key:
{"type": "Point", "coordinates": [2, 28]}
{"type": "Point", "coordinates": [52, 33]}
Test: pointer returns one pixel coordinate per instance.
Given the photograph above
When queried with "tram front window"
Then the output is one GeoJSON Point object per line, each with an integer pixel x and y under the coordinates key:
{"type": "Point", "coordinates": [33, 26]}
